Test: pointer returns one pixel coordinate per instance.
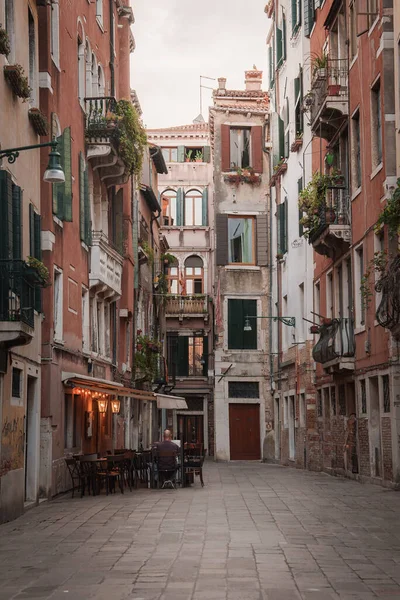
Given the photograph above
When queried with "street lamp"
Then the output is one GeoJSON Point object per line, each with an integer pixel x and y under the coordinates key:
{"type": "Point", "coordinates": [54, 172]}
{"type": "Point", "coordinates": [289, 321]}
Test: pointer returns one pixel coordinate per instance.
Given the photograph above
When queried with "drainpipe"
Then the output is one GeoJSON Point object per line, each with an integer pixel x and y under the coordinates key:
{"type": "Point", "coordinates": [112, 45]}
{"type": "Point", "coordinates": [271, 364]}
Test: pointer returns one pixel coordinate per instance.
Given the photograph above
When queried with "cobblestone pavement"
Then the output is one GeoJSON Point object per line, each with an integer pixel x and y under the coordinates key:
{"type": "Point", "coordinates": [255, 532]}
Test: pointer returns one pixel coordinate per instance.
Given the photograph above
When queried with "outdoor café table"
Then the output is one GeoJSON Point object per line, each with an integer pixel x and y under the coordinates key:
{"type": "Point", "coordinates": [89, 469]}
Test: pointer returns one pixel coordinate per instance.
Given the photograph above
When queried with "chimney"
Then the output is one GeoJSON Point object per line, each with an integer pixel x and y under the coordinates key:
{"type": "Point", "coordinates": [221, 86]}
{"type": "Point", "coordinates": [253, 79]}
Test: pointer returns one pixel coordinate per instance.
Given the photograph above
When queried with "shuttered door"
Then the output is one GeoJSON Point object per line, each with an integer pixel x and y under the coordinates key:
{"type": "Point", "coordinates": [225, 148]}
{"type": "Point", "coordinates": [262, 241]}
{"type": "Point", "coordinates": [244, 431]}
{"type": "Point", "coordinates": [256, 148]}
{"type": "Point", "coordinates": [299, 189]}
{"type": "Point", "coordinates": [204, 207]}
{"type": "Point", "coordinates": [282, 227]}
{"type": "Point", "coordinates": [238, 310]}
{"type": "Point", "coordinates": [31, 231]}
{"type": "Point", "coordinates": [281, 126]}
{"type": "Point", "coordinates": [17, 221]}
{"type": "Point", "coordinates": [221, 223]}
{"type": "Point", "coordinates": [6, 230]}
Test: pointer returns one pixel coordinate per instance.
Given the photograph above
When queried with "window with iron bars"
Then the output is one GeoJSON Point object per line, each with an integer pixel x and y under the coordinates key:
{"type": "Point", "coordinates": [363, 390]}
{"type": "Point", "coordinates": [386, 394]}
{"type": "Point", "coordinates": [342, 400]}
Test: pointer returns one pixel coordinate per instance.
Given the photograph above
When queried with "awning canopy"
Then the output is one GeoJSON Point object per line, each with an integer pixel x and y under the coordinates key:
{"type": "Point", "coordinates": [170, 402]}
{"type": "Point", "coordinates": [104, 386]}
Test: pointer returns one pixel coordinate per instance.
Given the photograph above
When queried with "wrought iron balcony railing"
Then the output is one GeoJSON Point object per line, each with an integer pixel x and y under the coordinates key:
{"type": "Point", "coordinates": [187, 305]}
{"type": "Point", "coordinates": [101, 120]}
{"type": "Point", "coordinates": [17, 292]}
{"type": "Point", "coordinates": [388, 285]}
{"type": "Point", "coordinates": [336, 341]}
{"type": "Point", "coordinates": [334, 211]}
{"type": "Point", "coordinates": [330, 84]}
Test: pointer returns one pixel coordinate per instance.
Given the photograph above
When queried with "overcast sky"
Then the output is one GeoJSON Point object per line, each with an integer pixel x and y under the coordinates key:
{"type": "Point", "coordinates": [179, 40]}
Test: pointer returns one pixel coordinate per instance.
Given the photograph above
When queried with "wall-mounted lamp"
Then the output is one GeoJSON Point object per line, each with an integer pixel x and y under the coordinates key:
{"type": "Point", "coordinates": [102, 404]}
{"type": "Point", "coordinates": [289, 321]}
{"type": "Point", "coordinates": [115, 406]}
{"type": "Point", "coordinates": [54, 172]}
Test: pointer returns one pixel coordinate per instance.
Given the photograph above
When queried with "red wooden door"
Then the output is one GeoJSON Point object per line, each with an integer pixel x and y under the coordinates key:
{"type": "Point", "coordinates": [244, 431]}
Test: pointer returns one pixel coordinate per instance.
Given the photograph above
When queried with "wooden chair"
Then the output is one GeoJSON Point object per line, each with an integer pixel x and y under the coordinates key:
{"type": "Point", "coordinates": [73, 469]}
{"type": "Point", "coordinates": [192, 461]}
{"type": "Point", "coordinates": [166, 474]}
{"type": "Point", "coordinates": [112, 473]}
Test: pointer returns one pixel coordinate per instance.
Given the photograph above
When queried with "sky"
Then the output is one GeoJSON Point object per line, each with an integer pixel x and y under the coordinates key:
{"type": "Point", "coordinates": [179, 40]}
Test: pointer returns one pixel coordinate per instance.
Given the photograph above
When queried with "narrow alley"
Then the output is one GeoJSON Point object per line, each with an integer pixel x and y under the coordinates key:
{"type": "Point", "coordinates": [254, 532]}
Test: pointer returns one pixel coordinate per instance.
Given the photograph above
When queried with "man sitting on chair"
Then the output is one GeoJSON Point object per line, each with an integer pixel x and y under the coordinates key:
{"type": "Point", "coordinates": [167, 462]}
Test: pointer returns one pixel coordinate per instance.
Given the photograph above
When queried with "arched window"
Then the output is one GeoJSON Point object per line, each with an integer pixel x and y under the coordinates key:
{"type": "Point", "coordinates": [194, 275]}
{"type": "Point", "coordinates": [168, 200]}
{"type": "Point", "coordinates": [94, 76]}
{"type": "Point", "coordinates": [81, 70]}
{"type": "Point", "coordinates": [100, 82]}
{"type": "Point", "coordinates": [193, 208]}
{"type": "Point", "coordinates": [173, 277]}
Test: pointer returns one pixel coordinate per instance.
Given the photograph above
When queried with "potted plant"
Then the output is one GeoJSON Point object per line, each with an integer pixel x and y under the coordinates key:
{"type": "Point", "coordinates": [38, 271]}
{"type": "Point", "coordinates": [130, 136]}
{"type": "Point", "coordinates": [188, 156]}
{"type": "Point", "coordinates": [312, 202]}
{"type": "Point", "coordinates": [298, 142]}
{"type": "Point", "coordinates": [39, 121]}
{"type": "Point", "coordinates": [198, 156]}
{"type": "Point", "coordinates": [5, 47]}
{"type": "Point", "coordinates": [18, 81]}
{"type": "Point", "coordinates": [390, 215]}
{"type": "Point", "coordinates": [319, 66]}
{"type": "Point", "coordinates": [167, 258]}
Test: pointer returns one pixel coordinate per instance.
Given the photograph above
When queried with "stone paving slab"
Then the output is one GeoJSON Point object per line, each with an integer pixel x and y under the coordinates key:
{"type": "Point", "coordinates": [254, 532]}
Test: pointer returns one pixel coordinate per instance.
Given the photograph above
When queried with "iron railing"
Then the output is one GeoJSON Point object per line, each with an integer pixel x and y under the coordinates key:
{"type": "Point", "coordinates": [187, 305]}
{"type": "Point", "coordinates": [100, 117]}
{"type": "Point", "coordinates": [330, 82]}
{"type": "Point", "coordinates": [334, 211]}
{"type": "Point", "coordinates": [336, 341]}
{"type": "Point", "coordinates": [388, 285]}
{"type": "Point", "coordinates": [17, 292]}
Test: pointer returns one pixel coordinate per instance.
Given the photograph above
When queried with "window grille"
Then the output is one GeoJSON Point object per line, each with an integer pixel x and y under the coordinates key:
{"type": "Point", "coordinates": [244, 389]}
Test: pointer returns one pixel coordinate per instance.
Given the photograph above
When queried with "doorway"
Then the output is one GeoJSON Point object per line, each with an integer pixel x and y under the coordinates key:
{"type": "Point", "coordinates": [191, 429]}
{"type": "Point", "coordinates": [375, 428]}
{"type": "Point", "coordinates": [244, 431]}
{"type": "Point", "coordinates": [292, 444]}
{"type": "Point", "coordinates": [31, 441]}
{"type": "Point", "coordinates": [277, 430]}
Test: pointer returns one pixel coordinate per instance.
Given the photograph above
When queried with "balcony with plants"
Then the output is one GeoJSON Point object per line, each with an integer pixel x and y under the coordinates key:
{"type": "Point", "coordinates": [327, 101]}
{"type": "Point", "coordinates": [20, 284]}
{"type": "Point", "coordinates": [326, 219]}
{"type": "Point", "coordinates": [115, 139]}
{"type": "Point", "coordinates": [335, 348]}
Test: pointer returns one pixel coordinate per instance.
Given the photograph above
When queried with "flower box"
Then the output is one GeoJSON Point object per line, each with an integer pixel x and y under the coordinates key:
{"type": "Point", "coordinates": [243, 176]}
{"type": "Point", "coordinates": [4, 42]}
{"type": "Point", "coordinates": [38, 121]}
{"type": "Point", "coordinates": [281, 168]}
{"type": "Point", "coordinates": [296, 145]}
{"type": "Point", "coordinates": [18, 81]}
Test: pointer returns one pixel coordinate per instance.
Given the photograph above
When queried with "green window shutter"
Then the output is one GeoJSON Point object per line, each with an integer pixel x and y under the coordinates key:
{"type": "Point", "coordinates": [6, 238]}
{"type": "Point", "coordinates": [281, 138]}
{"type": "Point", "coordinates": [58, 188]}
{"type": "Point", "coordinates": [207, 154]}
{"type": "Point", "coordinates": [67, 166]}
{"type": "Point", "coordinates": [182, 366]}
{"type": "Point", "coordinates": [88, 222]}
{"type": "Point", "coordinates": [298, 12]}
{"type": "Point", "coordinates": [221, 237]}
{"type": "Point", "coordinates": [179, 207]}
{"type": "Point", "coordinates": [204, 207]}
{"type": "Point", "coordinates": [282, 227]}
{"type": "Point", "coordinates": [37, 229]}
{"type": "Point", "coordinates": [235, 324]}
{"type": "Point", "coordinates": [31, 231]}
{"type": "Point", "coordinates": [181, 153]}
{"type": "Point", "coordinates": [17, 221]}
{"type": "Point", "coordinates": [299, 189]}
{"type": "Point", "coordinates": [278, 47]}
{"type": "Point", "coordinates": [294, 15]}
{"type": "Point", "coordinates": [284, 38]}
{"type": "Point", "coordinates": [271, 66]}
{"type": "Point", "coordinates": [296, 88]}
{"type": "Point", "coordinates": [82, 196]}
{"type": "Point", "coordinates": [308, 17]}
{"type": "Point", "coordinates": [262, 241]}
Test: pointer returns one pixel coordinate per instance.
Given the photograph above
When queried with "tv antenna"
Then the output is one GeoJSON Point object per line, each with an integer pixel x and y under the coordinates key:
{"type": "Point", "coordinates": [206, 87]}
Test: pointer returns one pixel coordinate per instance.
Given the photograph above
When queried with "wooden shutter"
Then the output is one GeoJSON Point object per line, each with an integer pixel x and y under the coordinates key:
{"type": "Point", "coordinates": [225, 148]}
{"type": "Point", "coordinates": [250, 337]}
{"type": "Point", "coordinates": [37, 232]}
{"type": "Point", "coordinates": [221, 228]}
{"type": "Point", "coordinates": [17, 222]}
{"type": "Point", "coordinates": [275, 138]}
{"type": "Point", "coordinates": [62, 192]}
{"type": "Point", "coordinates": [207, 154]}
{"type": "Point", "coordinates": [82, 196]}
{"type": "Point", "coordinates": [281, 132]}
{"type": "Point", "coordinates": [262, 241]}
{"type": "Point", "coordinates": [282, 227]}
{"type": "Point", "coordinates": [88, 222]}
{"type": "Point", "coordinates": [308, 17]}
{"type": "Point", "coordinates": [284, 38]}
{"type": "Point", "coordinates": [256, 148]}
{"type": "Point", "coordinates": [6, 230]}
{"type": "Point", "coordinates": [183, 356]}
{"type": "Point", "coordinates": [299, 189]}
{"type": "Point", "coordinates": [181, 154]}
{"type": "Point", "coordinates": [294, 15]}
{"type": "Point", "coordinates": [179, 207]}
{"type": "Point", "coordinates": [119, 221]}
{"type": "Point", "coordinates": [31, 231]}
{"type": "Point", "coordinates": [271, 66]}
{"type": "Point", "coordinates": [204, 207]}
{"type": "Point", "coordinates": [278, 47]}
{"type": "Point", "coordinates": [298, 2]}
{"type": "Point", "coordinates": [235, 324]}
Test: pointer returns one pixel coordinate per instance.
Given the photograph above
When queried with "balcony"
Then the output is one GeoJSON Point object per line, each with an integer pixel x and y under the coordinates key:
{"type": "Point", "coordinates": [335, 348]}
{"type": "Point", "coordinates": [328, 98]}
{"type": "Point", "coordinates": [102, 140]}
{"type": "Point", "coordinates": [187, 306]}
{"type": "Point", "coordinates": [105, 267]}
{"type": "Point", "coordinates": [388, 285]}
{"type": "Point", "coordinates": [332, 236]}
{"type": "Point", "coordinates": [17, 299]}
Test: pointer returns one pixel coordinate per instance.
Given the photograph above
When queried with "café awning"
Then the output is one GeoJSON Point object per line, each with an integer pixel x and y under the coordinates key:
{"type": "Point", "coordinates": [170, 402]}
{"type": "Point", "coordinates": [104, 386]}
